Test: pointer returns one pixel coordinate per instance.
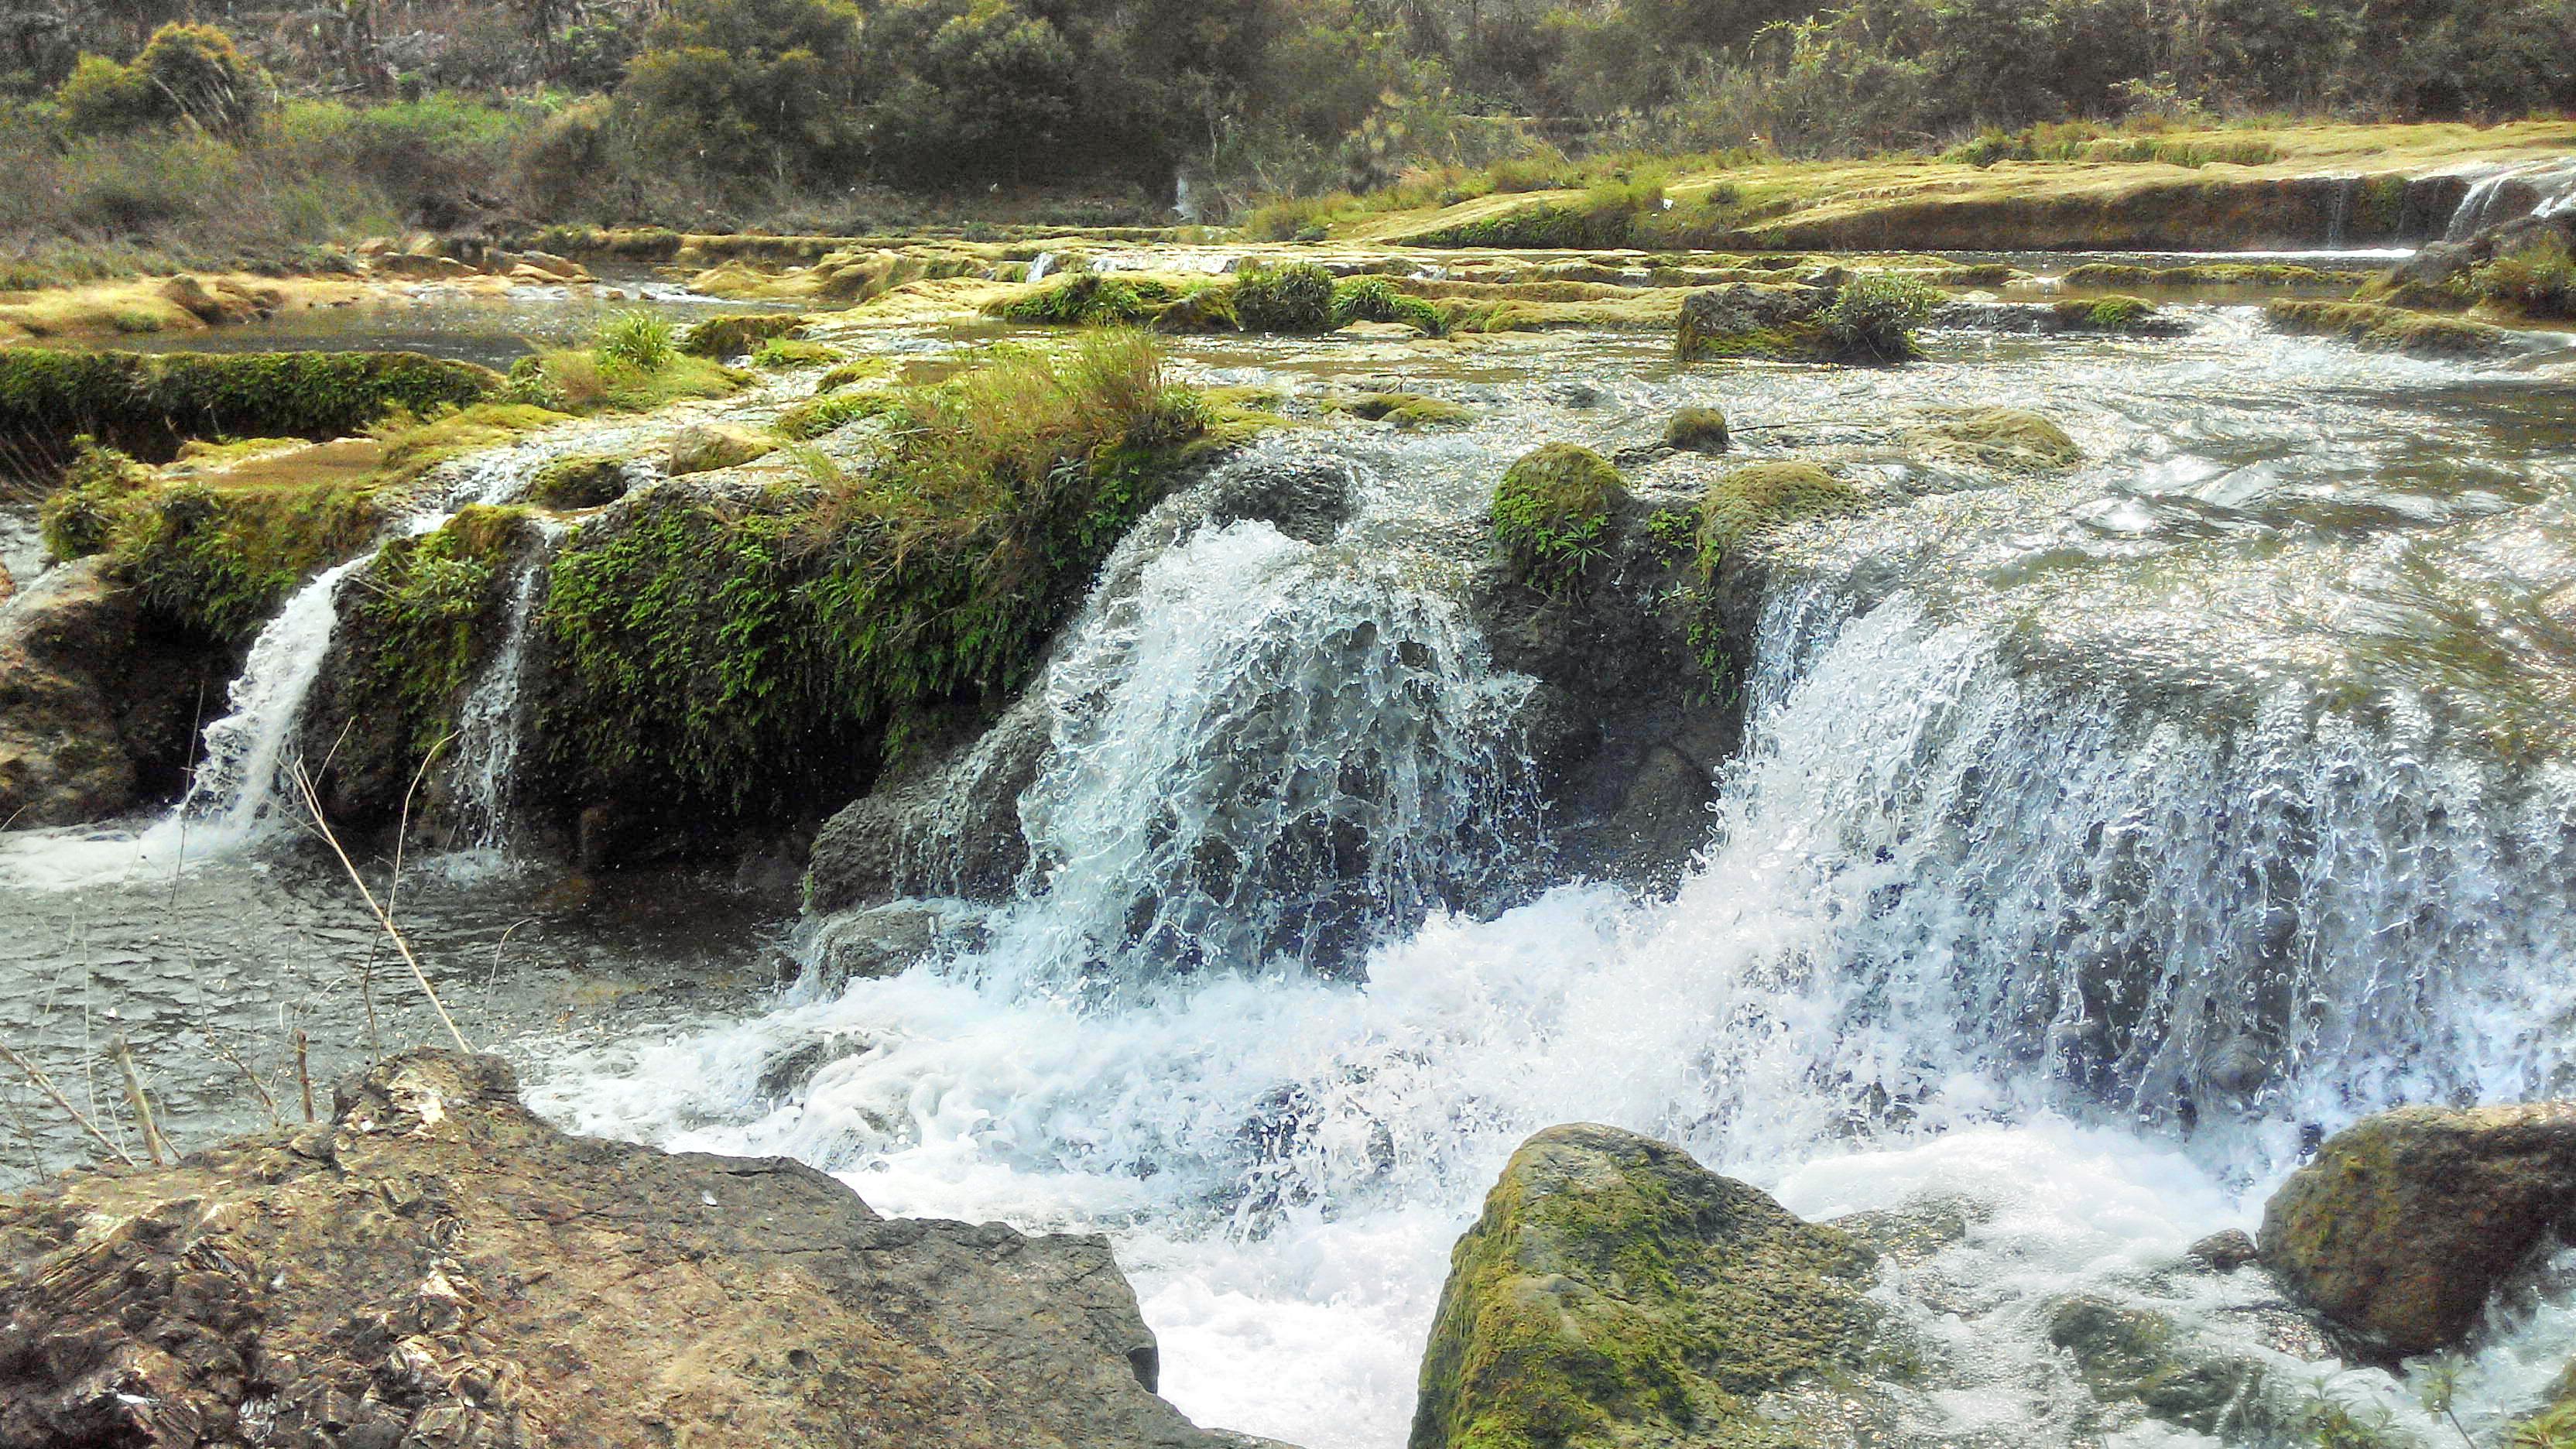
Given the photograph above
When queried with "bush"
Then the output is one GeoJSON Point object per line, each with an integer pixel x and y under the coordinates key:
{"type": "Point", "coordinates": [1873, 317]}
{"type": "Point", "coordinates": [737, 334]}
{"type": "Point", "coordinates": [101, 97]}
{"type": "Point", "coordinates": [1375, 299]}
{"type": "Point", "coordinates": [195, 72]}
{"type": "Point", "coordinates": [1294, 298]}
{"type": "Point", "coordinates": [2537, 278]}
{"type": "Point", "coordinates": [637, 340]}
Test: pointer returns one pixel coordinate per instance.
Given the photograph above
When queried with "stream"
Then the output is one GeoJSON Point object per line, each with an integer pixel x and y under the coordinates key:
{"type": "Point", "coordinates": [2102, 836]}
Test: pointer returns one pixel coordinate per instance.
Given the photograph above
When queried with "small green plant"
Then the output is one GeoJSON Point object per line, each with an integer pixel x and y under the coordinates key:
{"type": "Point", "coordinates": [1375, 299]}
{"type": "Point", "coordinates": [637, 340]}
{"type": "Point", "coordinates": [1552, 514]}
{"type": "Point", "coordinates": [2328, 1422]}
{"type": "Point", "coordinates": [2552, 1428]}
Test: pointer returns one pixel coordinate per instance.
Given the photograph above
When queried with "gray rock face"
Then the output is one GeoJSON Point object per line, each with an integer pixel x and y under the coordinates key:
{"type": "Point", "coordinates": [98, 707]}
{"type": "Point", "coordinates": [2407, 1222]}
{"type": "Point", "coordinates": [948, 827]}
{"type": "Point", "coordinates": [436, 1267]}
{"type": "Point", "coordinates": [1308, 499]}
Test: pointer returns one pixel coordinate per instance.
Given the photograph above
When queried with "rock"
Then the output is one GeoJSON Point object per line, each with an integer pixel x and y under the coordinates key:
{"type": "Point", "coordinates": [883, 940]}
{"type": "Point", "coordinates": [1697, 430]}
{"type": "Point", "coordinates": [706, 447]}
{"type": "Point", "coordinates": [414, 267]}
{"type": "Point", "coordinates": [563, 268]}
{"type": "Point", "coordinates": [2406, 1222]}
{"type": "Point", "coordinates": [190, 296]}
{"type": "Point", "coordinates": [1617, 1293]}
{"type": "Point", "coordinates": [1306, 498]}
{"type": "Point", "coordinates": [98, 702]}
{"type": "Point", "coordinates": [950, 826]}
{"type": "Point", "coordinates": [1732, 319]}
{"type": "Point", "coordinates": [2139, 1356]}
{"type": "Point", "coordinates": [2224, 1252]}
{"type": "Point", "coordinates": [1381, 331]}
{"type": "Point", "coordinates": [438, 1266]}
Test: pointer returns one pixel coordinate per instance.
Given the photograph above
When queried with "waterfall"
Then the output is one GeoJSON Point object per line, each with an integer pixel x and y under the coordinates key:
{"type": "Point", "coordinates": [1039, 268]}
{"type": "Point", "coordinates": [489, 726]}
{"type": "Point", "coordinates": [233, 795]}
{"type": "Point", "coordinates": [2552, 184]}
{"type": "Point", "coordinates": [2346, 188]}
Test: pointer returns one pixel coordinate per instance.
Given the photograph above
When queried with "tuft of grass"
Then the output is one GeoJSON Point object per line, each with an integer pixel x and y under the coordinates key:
{"type": "Point", "coordinates": [1873, 317]}
{"type": "Point", "coordinates": [1376, 299]}
{"type": "Point", "coordinates": [639, 341]}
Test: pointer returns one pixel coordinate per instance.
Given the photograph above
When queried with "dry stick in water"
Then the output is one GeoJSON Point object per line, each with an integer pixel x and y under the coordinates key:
{"type": "Point", "coordinates": [258, 1088]}
{"type": "Point", "coordinates": [45, 1084]}
{"type": "Point", "coordinates": [134, 1098]}
{"type": "Point", "coordinates": [304, 1075]}
{"type": "Point", "coordinates": [313, 808]}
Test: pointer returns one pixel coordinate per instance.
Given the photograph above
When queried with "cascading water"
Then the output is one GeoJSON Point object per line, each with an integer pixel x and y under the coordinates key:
{"type": "Point", "coordinates": [2552, 184]}
{"type": "Point", "coordinates": [489, 726]}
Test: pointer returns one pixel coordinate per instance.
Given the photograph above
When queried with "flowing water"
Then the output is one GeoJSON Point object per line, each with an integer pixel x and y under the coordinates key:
{"type": "Point", "coordinates": [2101, 835]}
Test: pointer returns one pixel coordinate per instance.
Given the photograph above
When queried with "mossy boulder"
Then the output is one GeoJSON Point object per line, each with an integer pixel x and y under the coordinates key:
{"type": "Point", "coordinates": [2116, 313]}
{"type": "Point", "coordinates": [737, 334]}
{"type": "Point", "coordinates": [1751, 501]}
{"type": "Point", "coordinates": [1551, 512]}
{"type": "Point", "coordinates": [1404, 409]}
{"type": "Point", "coordinates": [148, 404]}
{"type": "Point", "coordinates": [2407, 1222]}
{"type": "Point", "coordinates": [1697, 430]}
{"type": "Point", "coordinates": [707, 447]}
{"type": "Point", "coordinates": [582, 480]}
{"type": "Point", "coordinates": [2382, 328]}
{"type": "Point", "coordinates": [1748, 319]}
{"type": "Point", "coordinates": [2138, 1356]}
{"type": "Point", "coordinates": [816, 416]}
{"type": "Point", "coordinates": [1616, 1293]}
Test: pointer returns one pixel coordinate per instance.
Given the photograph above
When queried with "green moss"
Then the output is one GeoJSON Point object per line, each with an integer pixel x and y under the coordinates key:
{"type": "Point", "coordinates": [2388, 329]}
{"type": "Point", "coordinates": [583, 382]}
{"type": "Point", "coordinates": [2220, 276]}
{"type": "Point", "coordinates": [1297, 298]}
{"type": "Point", "coordinates": [148, 403]}
{"type": "Point", "coordinates": [580, 480]}
{"type": "Point", "coordinates": [82, 515]}
{"type": "Point", "coordinates": [1375, 299]}
{"type": "Point", "coordinates": [426, 609]}
{"type": "Point", "coordinates": [816, 416]}
{"type": "Point", "coordinates": [1088, 299]}
{"type": "Point", "coordinates": [412, 447]}
{"type": "Point", "coordinates": [1697, 430]}
{"type": "Point", "coordinates": [1615, 1294]}
{"type": "Point", "coordinates": [785, 352]}
{"type": "Point", "coordinates": [715, 646]}
{"type": "Point", "coordinates": [734, 334]}
{"type": "Point", "coordinates": [221, 561]}
{"type": "Point", "coordinates": [1552, 513]}
{"type": "Point", "coordinates": [1751, 501]}
{"type": "Point", "coordinates": [2106, 314]}
{"type": "Point", "coordinates": [1405, 409]}
{"type": "Point", "coordinates": [862, 369]}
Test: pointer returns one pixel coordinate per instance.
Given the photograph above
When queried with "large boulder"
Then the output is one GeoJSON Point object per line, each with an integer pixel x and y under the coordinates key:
{"type": "Point", "coordinates": [99, 702]}
{"type": "Point", "coordinates": [2406, 1222]}
{"type": "Point", "coordinates": [948, 825]}
{"type": "Point", "coordinates": [1617, 1293]}
{"type": "Point", "coordinates": [437, 1267]}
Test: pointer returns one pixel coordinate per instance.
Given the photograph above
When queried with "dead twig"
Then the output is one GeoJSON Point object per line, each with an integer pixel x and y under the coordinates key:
{"type": "Point", "coordinates": [45, 1084]}
{"type": "Point", "coordinates": [258, 1088]}
{"type": "Point", "coordinates": [304, 1074]}
{"type": "Point", "coordinates": [141, 1104]}
{"type": "Point", "coordinates": [313, 808]}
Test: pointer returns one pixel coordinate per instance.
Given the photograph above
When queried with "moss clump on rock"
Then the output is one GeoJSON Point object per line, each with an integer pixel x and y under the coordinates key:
{"type": "Point", "coordinates": [1697, 430]}
{"type": "Point", "coordinates": [81, 516]}
{"type": "Point", "coordinates": [148, 403]}
{"type": "Point", "coordinates": [816, 416]}
{"type": "Point", "coordinates": [221, 560]}
{"type": "Point", "coordinates": [1376, 299]}
{"type": "Point", "coordinates": [1295, 299]}
{"type": "Point", "coordinates": [1616, 1293]}
{"type": "Point", "coordinates": [1404, 409]}
{"type": "Point", "coordinates": [711, 643]}
{"type": "Point", "coordinates": [707, 447]}
{"type": "Point", "coordinates": [1552, 512]}
{"type": "Point", "coordinates": [1868, 318]}
{"type": "Point", "coordinates": [2001, 438]}
{"type": "Point", "coordinates": [2388, 329]}
{"type": "Point", "coordinates": [2106, 314]}
{"type": "Point", "coordinates": [581, 480]}
{"type": "Point", "coordinates": [1751, 501]}
{"type": "Point", "coordinates": [735, 334]}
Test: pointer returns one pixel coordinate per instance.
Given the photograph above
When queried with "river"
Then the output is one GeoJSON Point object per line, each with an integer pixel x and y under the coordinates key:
{"type": "Point", "coordinates": [2102, 835]}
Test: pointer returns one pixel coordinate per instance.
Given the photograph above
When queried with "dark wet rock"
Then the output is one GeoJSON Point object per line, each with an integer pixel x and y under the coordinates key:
{"type": "Point", "coordinates": [1617, 1293]}
{"type": "Point", "coordinates": [2224, 1252]}
{"type": "Point", "coordinates": [2407, 1222]}
{"type": "Point", "coordinates": [2143, 1357]}
{"type": "Point", "coordinates": [1624, 726]}
{"type": "Point", "coordinates": [2126, 316]}
{"type": "Point", "coordinates": [99, 701]}
{"type": "Point", "coordinates": [1917, 1231]}
{"type": "Point", "coordinates": [1742, 308]}
{"type": "Point", "coordinates": [438, 1267]}
{"type": "Point", "coordinates": [947, 826]}
{"type": "Point", "coordinates": [1306, 498]}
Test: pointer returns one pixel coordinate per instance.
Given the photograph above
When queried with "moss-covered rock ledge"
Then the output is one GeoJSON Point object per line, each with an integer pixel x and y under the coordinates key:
{"type": "Point", "coordinates": [148, 403]}
{"type": "Point", "coordinates": [1616, 1293]}
{"type": "Point", "coordinates": [433, 1265]}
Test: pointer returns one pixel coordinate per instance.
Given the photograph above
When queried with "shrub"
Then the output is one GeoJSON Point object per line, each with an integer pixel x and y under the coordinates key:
{"type": "Point", "coordinates": [637, 340]}
{"type": "Point", "coordinates": [1873, 317]}
{"type": "Point", "coordinates": [1293, 298]}
{"type": "Point", "coordinates": [1552, 513]}
{"type": "Point", "coordinates": [2537, 278]}
{"type": "Point", "coordinates": [102, 97]}
{"type": "Point", "coordinates": [195, 72]}
{"type": "Point", "coordinates": [1089, 299]}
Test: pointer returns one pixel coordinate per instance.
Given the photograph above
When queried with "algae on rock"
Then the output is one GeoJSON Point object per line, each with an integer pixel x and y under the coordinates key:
{"type": "Point", "coordinates": [1616, 1293]}
{"type": "Point", "coordinates": [1550, 512]}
